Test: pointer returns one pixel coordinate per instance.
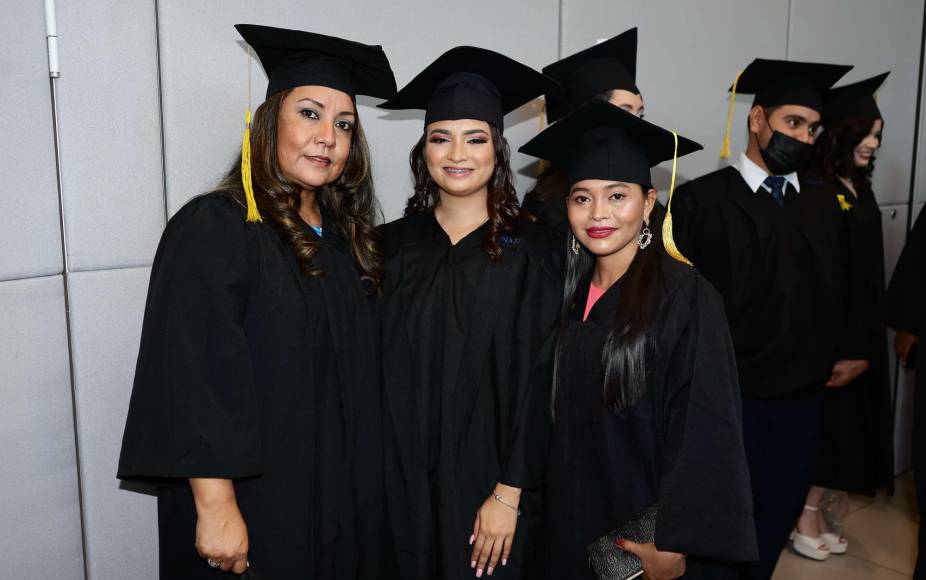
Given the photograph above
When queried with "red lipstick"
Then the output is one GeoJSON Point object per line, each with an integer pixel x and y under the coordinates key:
{"type": "Point", "coordinates": [599, 233]}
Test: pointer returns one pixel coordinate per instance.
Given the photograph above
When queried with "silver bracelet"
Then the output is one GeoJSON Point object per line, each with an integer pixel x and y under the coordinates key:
{"type": "Point", "coordinates": [499, 499]}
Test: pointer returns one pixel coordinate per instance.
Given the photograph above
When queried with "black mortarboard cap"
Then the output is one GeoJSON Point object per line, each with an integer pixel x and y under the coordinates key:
{"type": "Point", "coordinates": [788, 82]}
{"type": "Point", "coordinates": [855, 101]}
{"type": "Point", "coordinates": [294, 58]}
{"type": "Point", "coordinates": [471, 83]}
{"type": "Point", "coordinates": [607, 66]}
{"type": "Point", "coordinates": [603, 141]}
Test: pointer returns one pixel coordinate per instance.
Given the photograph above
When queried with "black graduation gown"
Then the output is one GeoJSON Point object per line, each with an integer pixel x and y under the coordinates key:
{"type": "Point", "coordinates": [906, 294]}
{"type": "Point", "coordinates": [251, 371]}
{"type": "Point", "coordinates": [779, 272]}
{"type": "Point", "coordinates": [467, 358]}
{"type": "Point", "coordinates": [857, 452]}
{"type": "Point", "coordinates": [680, 446]}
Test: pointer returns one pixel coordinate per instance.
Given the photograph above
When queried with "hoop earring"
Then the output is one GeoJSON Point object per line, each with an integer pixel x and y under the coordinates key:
{"type": "Point", "coordinates": [575, 245]}
{"type": "Point", "coordinates": [645, 237]}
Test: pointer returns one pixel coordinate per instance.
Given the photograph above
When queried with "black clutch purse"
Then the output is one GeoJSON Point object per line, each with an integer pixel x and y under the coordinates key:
{"type": "Point", "coordinates": [610, 562]}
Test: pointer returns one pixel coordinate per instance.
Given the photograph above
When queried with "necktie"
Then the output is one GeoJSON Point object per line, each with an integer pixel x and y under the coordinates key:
{"type": "Point", "coordinates": [777, 184]}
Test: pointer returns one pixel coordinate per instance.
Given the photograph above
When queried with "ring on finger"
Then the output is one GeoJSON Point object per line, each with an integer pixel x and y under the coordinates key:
{"type": "Point", "coordinates": [212, 563]}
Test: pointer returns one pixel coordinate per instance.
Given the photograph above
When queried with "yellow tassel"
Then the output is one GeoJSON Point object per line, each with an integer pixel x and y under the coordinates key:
{"type": "Point", "coordinates": [253, 214]}
{"type": "Point", "coordinates": [667, 240]}
{"type": "Point", "coordinates": [725, 148]}
{"type": "Point", "coordinates": [544, 164]}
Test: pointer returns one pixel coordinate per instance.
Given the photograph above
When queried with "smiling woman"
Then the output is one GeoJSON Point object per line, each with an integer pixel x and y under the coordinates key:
{"type": "Point", "coordinates": [646, 398]}
{"type": "Point", "coordinates": [470, 303]}
{"type": "Point", "coordinates": [257, 362]}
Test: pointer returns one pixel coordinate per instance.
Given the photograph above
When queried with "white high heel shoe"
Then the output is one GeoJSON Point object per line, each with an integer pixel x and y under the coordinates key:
{"type": "Point", "coordinates": [836, 543]}
{"type": "Point", "coordinates": [810, 547]}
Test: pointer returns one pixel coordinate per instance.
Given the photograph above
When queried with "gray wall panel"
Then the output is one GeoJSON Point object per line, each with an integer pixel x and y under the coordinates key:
{"type": "Point", "coordinates": [688, 55]}
{"type": "Point", "coordinates": [121, 526]}
{"type": "Point", "coordinates": [30, 241]}
{"type": "Point", "coordinates": [110, 132]}
{"type": "Point", "coordinates": [204, 75]}
{"type": "Point", "coordinates": [39, 505]}
{"type": "Point", "coordinates": [875, 37]}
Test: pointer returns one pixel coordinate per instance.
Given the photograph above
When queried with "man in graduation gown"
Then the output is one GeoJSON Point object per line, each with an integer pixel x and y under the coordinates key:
{"type": "Point", "coordinates": [773, 254]}
{"type": "Point", "coordinates": [906, 313]}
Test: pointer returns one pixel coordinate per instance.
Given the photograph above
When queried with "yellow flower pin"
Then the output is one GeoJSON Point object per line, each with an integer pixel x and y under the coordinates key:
{"type": "Point", "coordinates": [843, 204]}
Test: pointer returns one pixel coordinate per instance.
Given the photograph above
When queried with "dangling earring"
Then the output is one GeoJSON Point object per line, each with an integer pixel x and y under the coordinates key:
{"type": "Point", "coordinates": [575, 246]}
{"type": "Point", "coordinates": [645, 237]}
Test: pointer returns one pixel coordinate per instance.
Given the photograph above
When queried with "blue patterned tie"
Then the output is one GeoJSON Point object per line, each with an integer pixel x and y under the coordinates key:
{"type": "Point", "coordinates": [776, 183]}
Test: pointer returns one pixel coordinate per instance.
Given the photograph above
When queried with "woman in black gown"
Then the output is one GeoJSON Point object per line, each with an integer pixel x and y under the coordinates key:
{"type": "Point", "coordinates": [646, 404]}
{"type": "Point", "coordinates": [256, 403]}
{"type": "Point", "coordinates": [856, 452]}
{"type": "Point", "coordinates": [471, 300]}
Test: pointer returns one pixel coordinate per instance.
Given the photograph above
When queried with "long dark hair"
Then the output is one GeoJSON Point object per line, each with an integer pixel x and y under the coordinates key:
{"type": "Point", "coordinates": [624, 355]}
{"type": "Point", "coordinates": [834, 152]}
{"type": "Point", "coordinates": [349, 201]}
{"type": "Point", "coordinates": [502, 202]}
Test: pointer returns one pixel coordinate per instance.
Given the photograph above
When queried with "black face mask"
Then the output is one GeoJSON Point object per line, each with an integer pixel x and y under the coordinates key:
{"type": "Point", "coordinates": [784, 154]}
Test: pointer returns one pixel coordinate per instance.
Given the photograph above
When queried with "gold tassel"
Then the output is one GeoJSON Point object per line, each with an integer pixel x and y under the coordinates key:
{"type": "Point", "coordinates": [253, 214]}
{"type": "Point", "coordinates": [667, 240]}
{"type": "Point", "coordinates": [725, 148]}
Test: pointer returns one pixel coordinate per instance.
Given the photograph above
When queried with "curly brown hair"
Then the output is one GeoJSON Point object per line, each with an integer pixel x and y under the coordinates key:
{"type": "Point", "coordinates": [834, 151]}
{"type": "Point", "coordinates": [502, 203]}
{"type": "Point", "coordinates": [350, 201]}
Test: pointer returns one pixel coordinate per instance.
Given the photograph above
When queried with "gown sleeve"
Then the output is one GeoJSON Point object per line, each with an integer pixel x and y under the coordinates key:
{"type": "Point", "coordinates": [906, 295]}
{"type": "Point", "coordinates": [705, 500]}
{"type": "Point", "coordinates": [533, 348]}
{"type": "Point", "coordinates": [193, 410]}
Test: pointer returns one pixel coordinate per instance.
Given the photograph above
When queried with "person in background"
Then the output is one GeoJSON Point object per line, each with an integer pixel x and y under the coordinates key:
{"type": "Point", "coordinates": [606, 72]}
{"type": "Point", "coordinates": [256, 403]}
{"type": "Point", "coordinates": [906, 313]}
{"type": "Point", "coordinates": [856, 453]}
{"type": "Point", "coordinates": [471, 300]}
{"type": "Point", "coordinates": [647, 406]}
{"type": "Point", "coordinates": [773, 256]}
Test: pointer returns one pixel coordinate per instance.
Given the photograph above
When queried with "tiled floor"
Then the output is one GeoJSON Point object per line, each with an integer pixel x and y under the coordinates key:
{"type": "Point", "coordinates": [882, 542]}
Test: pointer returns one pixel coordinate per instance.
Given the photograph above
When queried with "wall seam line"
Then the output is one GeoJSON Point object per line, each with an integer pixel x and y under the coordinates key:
{"type": "Point", "coordinates": [157, 52]}
{"type": "Point", "coordinates": [62, 223]}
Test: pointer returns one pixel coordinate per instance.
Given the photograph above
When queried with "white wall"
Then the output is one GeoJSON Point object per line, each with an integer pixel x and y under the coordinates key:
{"type": "Point", "coordinates": [152, 98]}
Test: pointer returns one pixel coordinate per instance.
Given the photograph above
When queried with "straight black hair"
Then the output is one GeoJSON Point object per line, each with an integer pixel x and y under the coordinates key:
{"type": "Point", "coordinates": [624, 355]}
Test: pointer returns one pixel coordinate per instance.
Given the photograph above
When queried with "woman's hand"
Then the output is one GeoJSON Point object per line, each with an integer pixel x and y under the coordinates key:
{"type": "Point", "coordinates": [656, 565]}
{"type": "Point", "coordinates": [221, 534]}
{"type": "Point", "coordinates": [904, 342]}
{"type": "Point", "coordinates": [846, 371]}
{"type": "Point", "coordinates": [493, 531]}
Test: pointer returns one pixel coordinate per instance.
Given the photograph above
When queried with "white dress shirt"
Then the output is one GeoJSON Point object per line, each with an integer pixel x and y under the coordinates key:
{"type": "Point", "coordinates": [755, 176]}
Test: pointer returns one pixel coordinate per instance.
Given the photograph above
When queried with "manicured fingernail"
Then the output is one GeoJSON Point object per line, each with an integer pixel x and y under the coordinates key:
{"type": "Point", "coordinates": [504, 561]}
{"type": "Point", "coordinates": [472, 564]}
{"type": "Point", "coordinates": [472, 539]}
{"type": "Point", "coordinates": [479, 573]}
{"type": "Point", "coordinates": [490, 570]}
{"type": "Point", "coordinates": [620, 544]}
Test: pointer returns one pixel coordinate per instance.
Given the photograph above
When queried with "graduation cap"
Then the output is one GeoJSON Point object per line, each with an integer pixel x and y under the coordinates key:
{"type": "Point", "coordinates": [783, 82]}
{"type": "Point", "coordinates": [853, 101]}
{"type": "Point", "coordinates": [295, 58]}
{"type": "Point", "coordinates": [603, 141]}
{"type": "Point", "coordinates": [470, 83]}
{"type": "Point", "coordinates": [607, 66]}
